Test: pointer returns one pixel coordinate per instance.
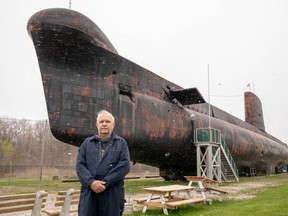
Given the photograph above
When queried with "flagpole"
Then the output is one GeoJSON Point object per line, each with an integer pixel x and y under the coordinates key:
{"type": "Point", "coordinates": [209, 97]}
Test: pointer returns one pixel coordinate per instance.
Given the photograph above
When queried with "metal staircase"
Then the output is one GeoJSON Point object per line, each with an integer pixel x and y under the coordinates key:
{"type": "Point", "coordinates": [228, 167]}
{"type": "Point", "coordinates": [214, 159]}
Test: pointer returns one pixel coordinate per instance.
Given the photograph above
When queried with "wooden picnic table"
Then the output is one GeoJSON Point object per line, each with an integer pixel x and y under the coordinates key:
{"type": "Point", "coordinates": [205, 185]}
{"type": "Point", "coordinates": [167, 197]}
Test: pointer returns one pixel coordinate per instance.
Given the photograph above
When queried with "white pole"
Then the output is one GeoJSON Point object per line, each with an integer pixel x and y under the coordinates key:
{"type": "Point", "coordinates": [209, 106]}
{"type": "Point", "coordinates": [209, 97]}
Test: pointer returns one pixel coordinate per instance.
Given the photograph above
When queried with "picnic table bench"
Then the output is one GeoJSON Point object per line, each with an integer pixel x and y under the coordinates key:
{"type": "Point", "coordinates": [66, 201]}
{"type": "Point", "coordinates": [23, 202]}
{"type": "Point", "coordinates": [205, 185]}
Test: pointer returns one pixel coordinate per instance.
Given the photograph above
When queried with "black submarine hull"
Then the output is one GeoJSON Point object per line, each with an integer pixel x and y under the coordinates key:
{"type": "Point", "coordinates": [82, 73]}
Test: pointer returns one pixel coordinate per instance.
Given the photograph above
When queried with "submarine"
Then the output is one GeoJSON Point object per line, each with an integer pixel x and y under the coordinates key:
{"type": "Point", "coordinates": [82, 73]}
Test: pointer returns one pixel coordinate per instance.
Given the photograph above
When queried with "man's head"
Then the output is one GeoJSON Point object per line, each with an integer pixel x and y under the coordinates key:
{"type": "Point", "coordinates": [105, 124]}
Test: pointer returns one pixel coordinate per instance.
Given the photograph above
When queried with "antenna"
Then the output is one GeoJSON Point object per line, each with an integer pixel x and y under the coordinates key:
{"type": "Point", "coordinates": [209, 98]}
{"type": "Point", "coordinates": [69, 4]}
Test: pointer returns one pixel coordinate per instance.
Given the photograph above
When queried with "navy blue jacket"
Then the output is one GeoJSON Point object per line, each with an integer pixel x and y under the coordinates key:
{"type": "Point", "coordinates": [112, 169]}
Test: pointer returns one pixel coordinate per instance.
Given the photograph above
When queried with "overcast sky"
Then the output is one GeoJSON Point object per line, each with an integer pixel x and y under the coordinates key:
{"type": "Point", "coordinates": [242, 41]}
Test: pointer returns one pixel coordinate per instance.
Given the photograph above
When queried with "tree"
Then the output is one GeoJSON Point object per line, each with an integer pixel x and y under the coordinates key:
{"type": "Point", "coordinates": [7, 152]}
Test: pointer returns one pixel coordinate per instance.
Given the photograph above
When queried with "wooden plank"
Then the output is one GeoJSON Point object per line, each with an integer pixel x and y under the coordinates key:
{"type": "Point", "coordinates": [143, 199]}
{"type": "Point", "coordinates": [154, 204]}
{"type": "Point", "coordinates": [16, 208]}
{"type": "Point", "coordinates": [167, 189]}
{"type": "Point", "coordinates": [172, 203]}
{"type": "Point", "coordinates": [217, 190]}
{"type": "Point", "coordinates": [73, 202]}
{"type": "Point", "coordinates": [195, 178]}
{"type": "Point", "coordinates": [140, 200]}
{"type": "Point", "coordinates": [19, 202]}
{"type": "Point", "coordinates": [201, 178]}
{"type": "Point", "coordinates": [17, 196]}
{"type": "Point", "coordinates": [184, 202]}
{"type": "Point", "coordinates": [61, 197]}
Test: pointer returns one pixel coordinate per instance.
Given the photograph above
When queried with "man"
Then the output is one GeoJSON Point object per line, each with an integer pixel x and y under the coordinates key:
{"type": "Point", "coordinates": [103, 161]}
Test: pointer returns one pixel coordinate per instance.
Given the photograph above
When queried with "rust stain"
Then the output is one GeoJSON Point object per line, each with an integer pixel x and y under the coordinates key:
{"type": "Point", "coordinates": [72, 131]}
{"type": "Point", "coordinates": [125, 133]}
{"type": "Point", "coordinates": [56, 116]}
{"type": "Point", "coordinates": [154, 128]}
{"type": "Point", "coordinates": [86, 91]}
{"type": "Point", "coordinates": [109, 80]}
{"type": "Point", "coordinates": [172, 134]}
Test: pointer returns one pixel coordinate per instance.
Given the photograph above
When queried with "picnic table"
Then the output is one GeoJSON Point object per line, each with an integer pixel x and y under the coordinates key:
{"type": "Point", "coordinates": [205, 185]}
{"type": "Point", "coordinates": [166, 197]}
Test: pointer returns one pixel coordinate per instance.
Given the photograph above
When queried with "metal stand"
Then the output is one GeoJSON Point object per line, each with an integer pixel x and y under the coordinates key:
{"type": "Point", "coordinates": [209, 160]}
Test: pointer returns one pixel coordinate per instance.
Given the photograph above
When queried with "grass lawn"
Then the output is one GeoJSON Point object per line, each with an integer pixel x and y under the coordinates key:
{"type": "Point", "coordinates": [28, 185]}
{"type": "Point", "coordinates": [270, 199]}
{"type": "Point", "coordinates": [271, 202]}
{"type": "Point", "coordinates": [269, 195]}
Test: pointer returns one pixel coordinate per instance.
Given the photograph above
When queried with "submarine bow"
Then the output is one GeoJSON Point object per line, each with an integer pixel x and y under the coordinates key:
{"type": "Point", "coordinates": [82, 73]}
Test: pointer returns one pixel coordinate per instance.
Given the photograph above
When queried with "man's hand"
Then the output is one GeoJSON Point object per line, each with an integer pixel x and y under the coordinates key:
{"type": "Point", "coordinates": [98, 186]}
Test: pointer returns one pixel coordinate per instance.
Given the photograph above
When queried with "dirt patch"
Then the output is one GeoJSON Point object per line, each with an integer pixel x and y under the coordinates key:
{"type": "Point", "coordinates": [247, 190]}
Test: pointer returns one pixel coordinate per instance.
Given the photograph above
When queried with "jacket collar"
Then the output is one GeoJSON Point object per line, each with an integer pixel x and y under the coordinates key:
{"type": "Point", "coordinates": [113, 136]}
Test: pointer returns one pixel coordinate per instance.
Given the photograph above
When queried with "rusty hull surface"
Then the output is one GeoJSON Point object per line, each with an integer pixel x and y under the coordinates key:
{"type": "Point", "coordinates": [253, 111]}
{"type": "Point", "coordinates": [82, 74]}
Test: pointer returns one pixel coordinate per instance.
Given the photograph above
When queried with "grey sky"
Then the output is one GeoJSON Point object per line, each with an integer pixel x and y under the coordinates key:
{"type": "Point", "coordinates": [242, 41]}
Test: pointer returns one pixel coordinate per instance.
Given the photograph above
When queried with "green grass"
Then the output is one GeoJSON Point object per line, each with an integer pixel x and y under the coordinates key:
{"type": "Point", "coordinates": [273, 201]}
{"type": "Point", "coordinates": [269, 200]}
{"type": "Point", "coordinates": [23, 185]}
